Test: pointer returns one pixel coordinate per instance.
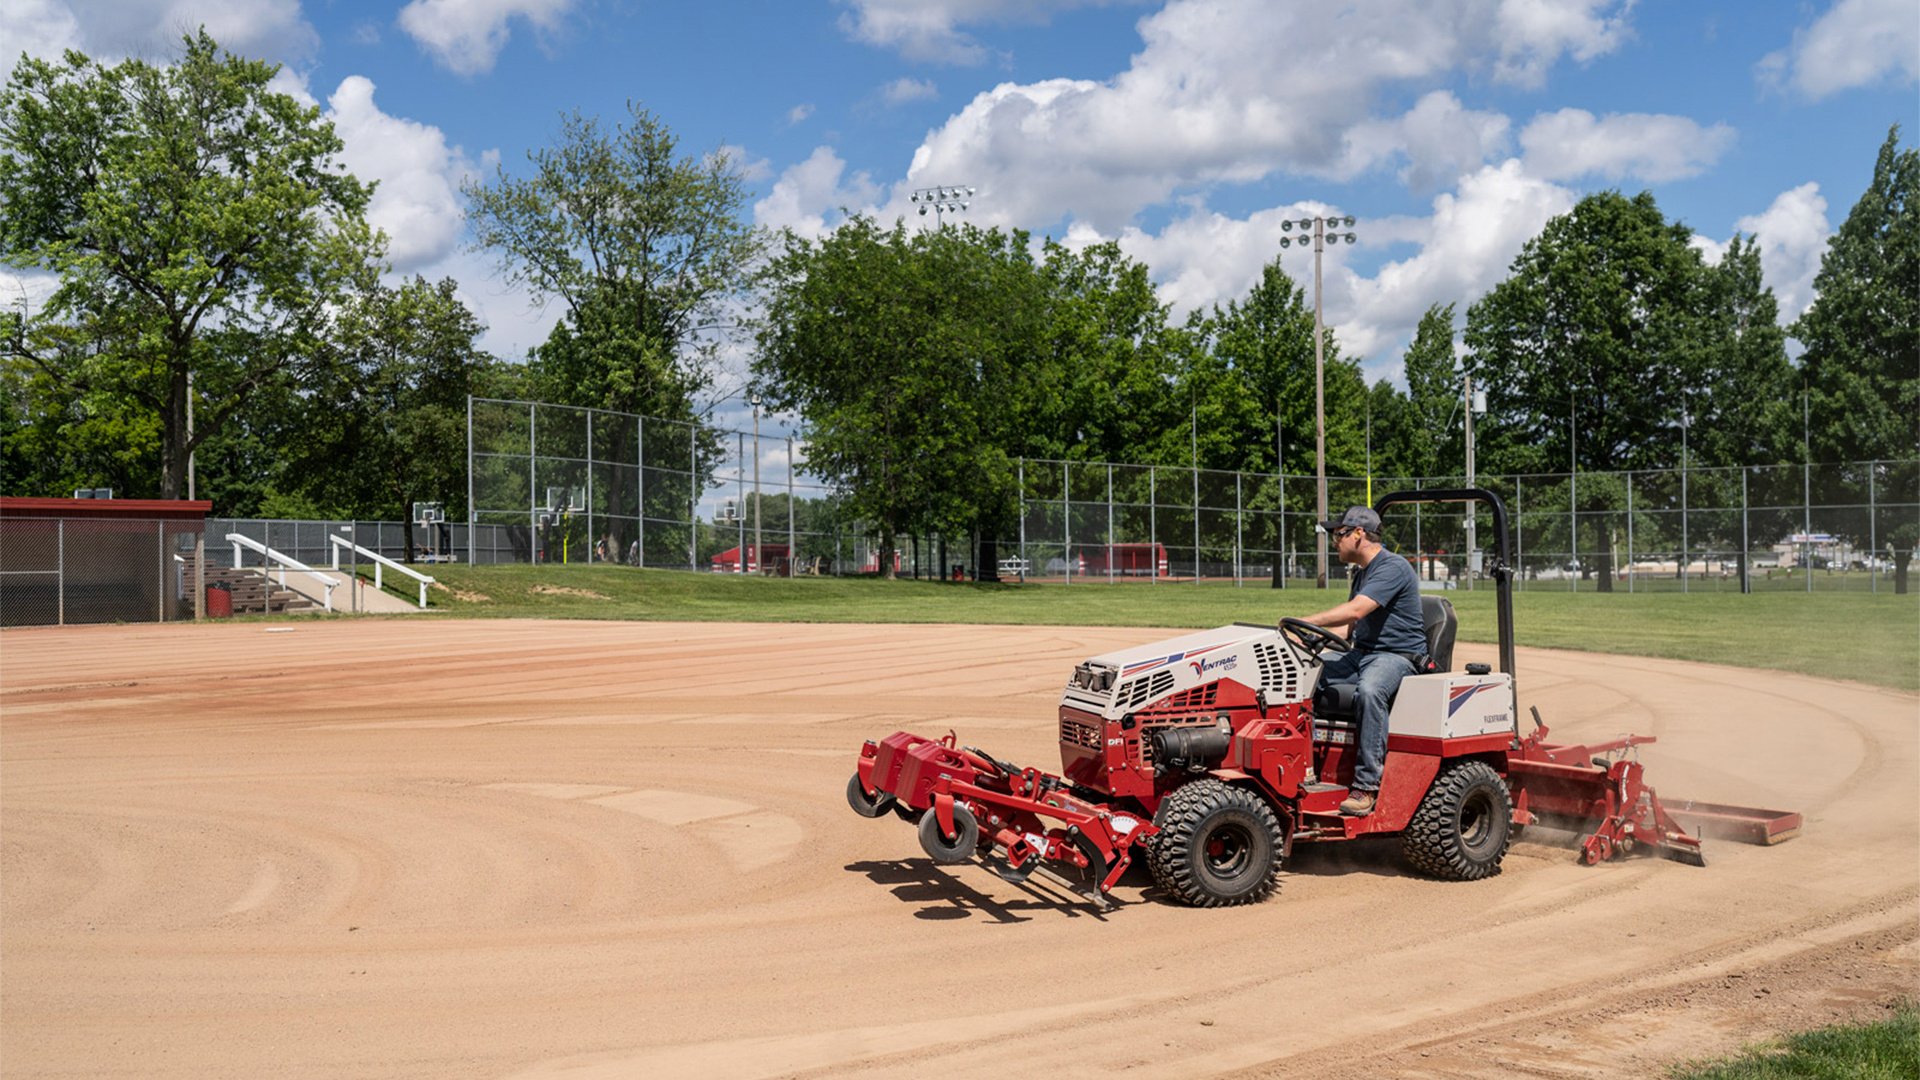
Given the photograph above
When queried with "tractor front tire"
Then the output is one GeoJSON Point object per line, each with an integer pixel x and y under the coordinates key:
{"type": "Point", "coordinates": [1463, 826]}
{"type": "Point", "coordinates": [957, 849]}
{"type": "Point", "coordinates": [1218, 846]}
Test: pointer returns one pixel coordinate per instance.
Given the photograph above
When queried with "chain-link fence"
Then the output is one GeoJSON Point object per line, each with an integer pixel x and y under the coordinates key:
{"type": "Point", "coordinates": [1807, 527]}
{"type": "Point", "coordinates": [561, 484]}
{"type": "Point", "coordinates": [60, 570]}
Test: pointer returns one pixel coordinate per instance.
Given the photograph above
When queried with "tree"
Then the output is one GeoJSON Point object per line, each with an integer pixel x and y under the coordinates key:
{"type": "Point", "coordinates": [1590, 348]}
{"type": "Point", "coordinates": [1862, 334]}
{"type": "Point", "coordinates": [646, 248]}
{"type": "Point", "coordinates": [387, 416]}
{"type": "Point", "coordinates": [198, 223]}
{"type": "Point", "coordinates": [1433, 398]}
{"type": "Point", "coordinates": [898, 350]}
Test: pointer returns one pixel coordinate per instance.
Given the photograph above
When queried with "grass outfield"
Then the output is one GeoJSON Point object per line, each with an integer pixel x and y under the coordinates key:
{"type": "Point", "coordinates": [1887, 1050]}
{"type": "Point", "coordinates": [1845, 635]}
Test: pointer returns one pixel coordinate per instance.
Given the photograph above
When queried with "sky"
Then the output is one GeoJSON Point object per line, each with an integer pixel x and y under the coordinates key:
{"type": "Point", "coordinates": [1188, 130]}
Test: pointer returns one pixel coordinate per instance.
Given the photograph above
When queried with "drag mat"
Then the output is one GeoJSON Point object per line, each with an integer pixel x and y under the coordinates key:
{"type": "Point", "coordinates": [591, 849]}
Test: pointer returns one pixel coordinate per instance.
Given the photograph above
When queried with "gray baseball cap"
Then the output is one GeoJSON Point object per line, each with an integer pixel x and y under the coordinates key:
{"type": "Point", "coordinates": [1356, 517]}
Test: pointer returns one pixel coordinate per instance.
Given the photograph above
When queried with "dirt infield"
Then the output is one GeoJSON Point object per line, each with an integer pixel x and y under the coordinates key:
{"type": "Point", "coordinates": [591, 849]}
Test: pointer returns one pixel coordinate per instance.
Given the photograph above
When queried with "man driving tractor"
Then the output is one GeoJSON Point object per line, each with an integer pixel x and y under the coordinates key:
{"type": "Point", "coordinates": [1389, 640]}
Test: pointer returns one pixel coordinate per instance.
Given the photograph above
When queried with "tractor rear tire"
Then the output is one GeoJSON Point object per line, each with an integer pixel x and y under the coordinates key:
{"type": "Point", "coordinates": [867, 806]}
{"type": "Point", "coordinates": [1218, 846]}
{"type": "Point", "coordinates": [1463, 826]}
{"type": "Point", "coordinates": [958, 849]}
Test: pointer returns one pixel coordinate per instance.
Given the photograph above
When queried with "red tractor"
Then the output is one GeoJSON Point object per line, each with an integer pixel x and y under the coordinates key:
{"type": "Point", "coordinates": [1215, 752]}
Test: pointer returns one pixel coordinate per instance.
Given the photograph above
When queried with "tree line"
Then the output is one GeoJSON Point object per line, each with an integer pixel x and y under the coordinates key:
{"type": "Point", "coordinates": [210, 256]}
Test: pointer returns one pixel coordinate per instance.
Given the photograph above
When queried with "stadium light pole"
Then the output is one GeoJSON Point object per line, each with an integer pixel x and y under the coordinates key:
{"type": "Point", "coordinates": [946, 199]}
{"type": "Point", "coordinates": [1321, 238]}
{"type": "Point", "coordinates": [757, 553]}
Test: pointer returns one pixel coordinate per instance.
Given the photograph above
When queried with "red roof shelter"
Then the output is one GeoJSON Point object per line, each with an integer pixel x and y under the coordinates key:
{"type": "Point", "coordinates": [97, 560]}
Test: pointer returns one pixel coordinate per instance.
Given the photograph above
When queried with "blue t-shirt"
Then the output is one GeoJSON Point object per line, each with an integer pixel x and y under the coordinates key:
{"type": "Point", "coordinates": [1395, 625]}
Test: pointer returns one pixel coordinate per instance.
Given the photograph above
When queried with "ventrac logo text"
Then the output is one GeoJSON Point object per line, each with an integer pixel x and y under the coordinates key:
{"type": "Point", "coordinates": [1225, 663]}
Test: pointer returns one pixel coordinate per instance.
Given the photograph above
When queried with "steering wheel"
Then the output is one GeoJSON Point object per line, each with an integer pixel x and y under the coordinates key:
{"type": "Point", "coordinates": [1312, 638]}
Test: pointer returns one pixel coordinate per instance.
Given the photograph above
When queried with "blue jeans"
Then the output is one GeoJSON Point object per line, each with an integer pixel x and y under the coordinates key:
{"type": "Point", "coordinates": [1375, 675]}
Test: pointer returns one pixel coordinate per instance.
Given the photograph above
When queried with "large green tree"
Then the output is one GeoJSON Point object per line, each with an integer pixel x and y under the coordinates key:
{"type": "Point", "coordinates": [1862, 334]}
{"type": "Point", "coordinates": [1590, 350]}
{"type": "Point", "coordinates": [1862, 338]}
{"type": "Point", "coordinates": [1434, 398]}
{"type": "Point", "coordinates": [647, 248]}
{"type": "Point", "coordinates": [387, 415]}
{"type": "Point", "coordinates": [898, 349]}
{"type": "Point", "coordinates": [200, 228]}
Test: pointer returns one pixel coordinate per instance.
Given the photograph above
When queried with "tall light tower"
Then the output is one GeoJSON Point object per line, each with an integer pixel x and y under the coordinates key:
{"type": "Point", "coordinates": [1322, 236]}
{"type": "Point", "coordinates": [948, 199]}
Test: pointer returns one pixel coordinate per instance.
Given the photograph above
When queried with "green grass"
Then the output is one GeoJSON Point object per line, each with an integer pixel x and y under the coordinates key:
{"type": "Point", "coordinates": [1843, 635]}
{"type": "Point", "coordinates": [1886, 1050]}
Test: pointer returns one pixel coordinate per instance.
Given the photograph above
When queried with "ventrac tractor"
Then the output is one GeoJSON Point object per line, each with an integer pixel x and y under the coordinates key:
{"type": "Point", "coordinates": [1215, 752]}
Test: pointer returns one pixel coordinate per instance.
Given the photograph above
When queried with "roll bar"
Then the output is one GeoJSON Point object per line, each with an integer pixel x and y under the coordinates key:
{"type": "Point", "coordinates": [1502, 569]}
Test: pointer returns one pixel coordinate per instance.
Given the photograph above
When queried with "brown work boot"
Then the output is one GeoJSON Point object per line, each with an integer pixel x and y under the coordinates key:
{"type": "Point", "coordinates": [1359, 803]}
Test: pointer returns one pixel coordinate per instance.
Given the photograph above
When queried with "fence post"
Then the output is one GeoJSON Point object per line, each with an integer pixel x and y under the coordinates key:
{"type": "Point", "coordinates": [1239, 527]}
{"type": "Point", "coordinates": [533, 490]}
{"type": "Point", "coordinates": [1686, 548]}
{"type": "Point", "coordinates": [1519, 530]}
{"type": "Point", "coordinates": [1419, 550]}
{"type": "Point", "coordinates": [1020, 472]}
{"type": "Point", "coordinates": [1629, 530]}
{"type": "Point", "coordinates": [1066, 518]}
{"type": "Point", "coordinates": [1153, 527]}
{"type": "Point", "coordinates": [160, 541]}
{"type": "Point", "coordinates": [60, 566]}
{"type": "Point", "coordinates": [1573, 527]}
{"type": "Point", "coordinates": [791, 550]}
{"type": "Point", "coordinates": [693, 498]}
{"type": "Point", "coordinates": [640, 490]}
{"type": "Point", "coordinates": [1806, 516]}
{"type": "Point", "coordinates": [1110, 536]}
{"type": "Point", "coordinates": [1196, 523]}
{"type": "Point", "coordinates": [471, 517]}
{"type": "Point", "coordinates": [740, 508]}
{"type": "Point", "coordinates": [1746, 549]}
{"type": "Point", "coordinates": [593, 541]}
{"type": "Point", "coordinates": [1873, 531]}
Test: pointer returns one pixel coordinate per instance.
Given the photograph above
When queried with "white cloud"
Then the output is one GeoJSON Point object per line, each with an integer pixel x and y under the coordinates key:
{"type": "Point", "coordinates": [1238, 90]}
{"type": "Point", "coordinates": [466, 36]}
{"type": "Point", "coordinates": [751, 169]}
{"type": "Point", "coordinates": [1532, 34]}
{"type": "Point", "coordinates": [1792, 233]}
{"type": "Point", "coordinates": [418, 201]}
{"type": "Point", "coordinates": [807, 193]}
{"type": "Point", "coordinates": [1573, 142]}
{"type": "Point", "coordinates": [1439, 139]}
{"type": "Point", "coordinates": [110, 31]}
{"type": "Point", "coordinates": [929, 30]}
{"type": "Point", "coordinates": [903, 90]}
{"type": "Point", "coordinates": [1856, 43]}
{"type": "Point", "coordinates": [799, 112]}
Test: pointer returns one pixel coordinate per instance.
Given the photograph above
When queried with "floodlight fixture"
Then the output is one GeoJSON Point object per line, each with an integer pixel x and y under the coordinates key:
{"type": "Point", "coordinates": [943, 199]}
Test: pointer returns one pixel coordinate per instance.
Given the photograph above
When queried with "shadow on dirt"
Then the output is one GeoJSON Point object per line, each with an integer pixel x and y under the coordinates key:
{"type": "Point", "coordinates": [1378, 857]}
{"type": "Point", "coordinates": [944, 896]}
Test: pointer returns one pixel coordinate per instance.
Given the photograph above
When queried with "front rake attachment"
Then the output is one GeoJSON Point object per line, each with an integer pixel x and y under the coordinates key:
{"type": "Point", "coordinates": [964, 800]}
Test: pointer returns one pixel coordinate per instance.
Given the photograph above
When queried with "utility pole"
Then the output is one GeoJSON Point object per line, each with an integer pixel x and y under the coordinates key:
{"type": "Point", "coordinates": [1473, 518]}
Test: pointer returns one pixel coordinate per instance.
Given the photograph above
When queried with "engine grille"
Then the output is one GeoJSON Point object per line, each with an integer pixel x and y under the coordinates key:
{"type": "Point", "coordinates": [1279, 673]}
{"type": "Point", "coordinates": [1142, 690]}
{"type": "Point", "coordinates": [1075, 733]}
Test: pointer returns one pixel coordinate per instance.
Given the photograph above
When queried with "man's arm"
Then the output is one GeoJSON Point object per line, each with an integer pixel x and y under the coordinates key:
{"type": "Point", "coordinates": [1346, 614]}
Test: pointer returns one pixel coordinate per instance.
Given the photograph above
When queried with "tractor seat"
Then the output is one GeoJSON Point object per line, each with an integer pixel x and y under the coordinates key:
{"type": "Point", "coordinates": [1335, 701]}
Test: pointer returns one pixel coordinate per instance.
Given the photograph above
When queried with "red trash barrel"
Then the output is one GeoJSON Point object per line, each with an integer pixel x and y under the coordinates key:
{"type": "Point", "coordinates": [220, 600]}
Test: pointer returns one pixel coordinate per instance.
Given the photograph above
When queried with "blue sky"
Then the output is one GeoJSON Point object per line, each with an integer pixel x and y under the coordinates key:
{"type": "Point", "coordinates": [1188, 130]}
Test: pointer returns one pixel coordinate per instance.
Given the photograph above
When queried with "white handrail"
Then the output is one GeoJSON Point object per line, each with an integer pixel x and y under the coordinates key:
{"type": "Point", "coordinates": [379, 562]}
{"type": "Point", "coordinates": [286, 564]}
